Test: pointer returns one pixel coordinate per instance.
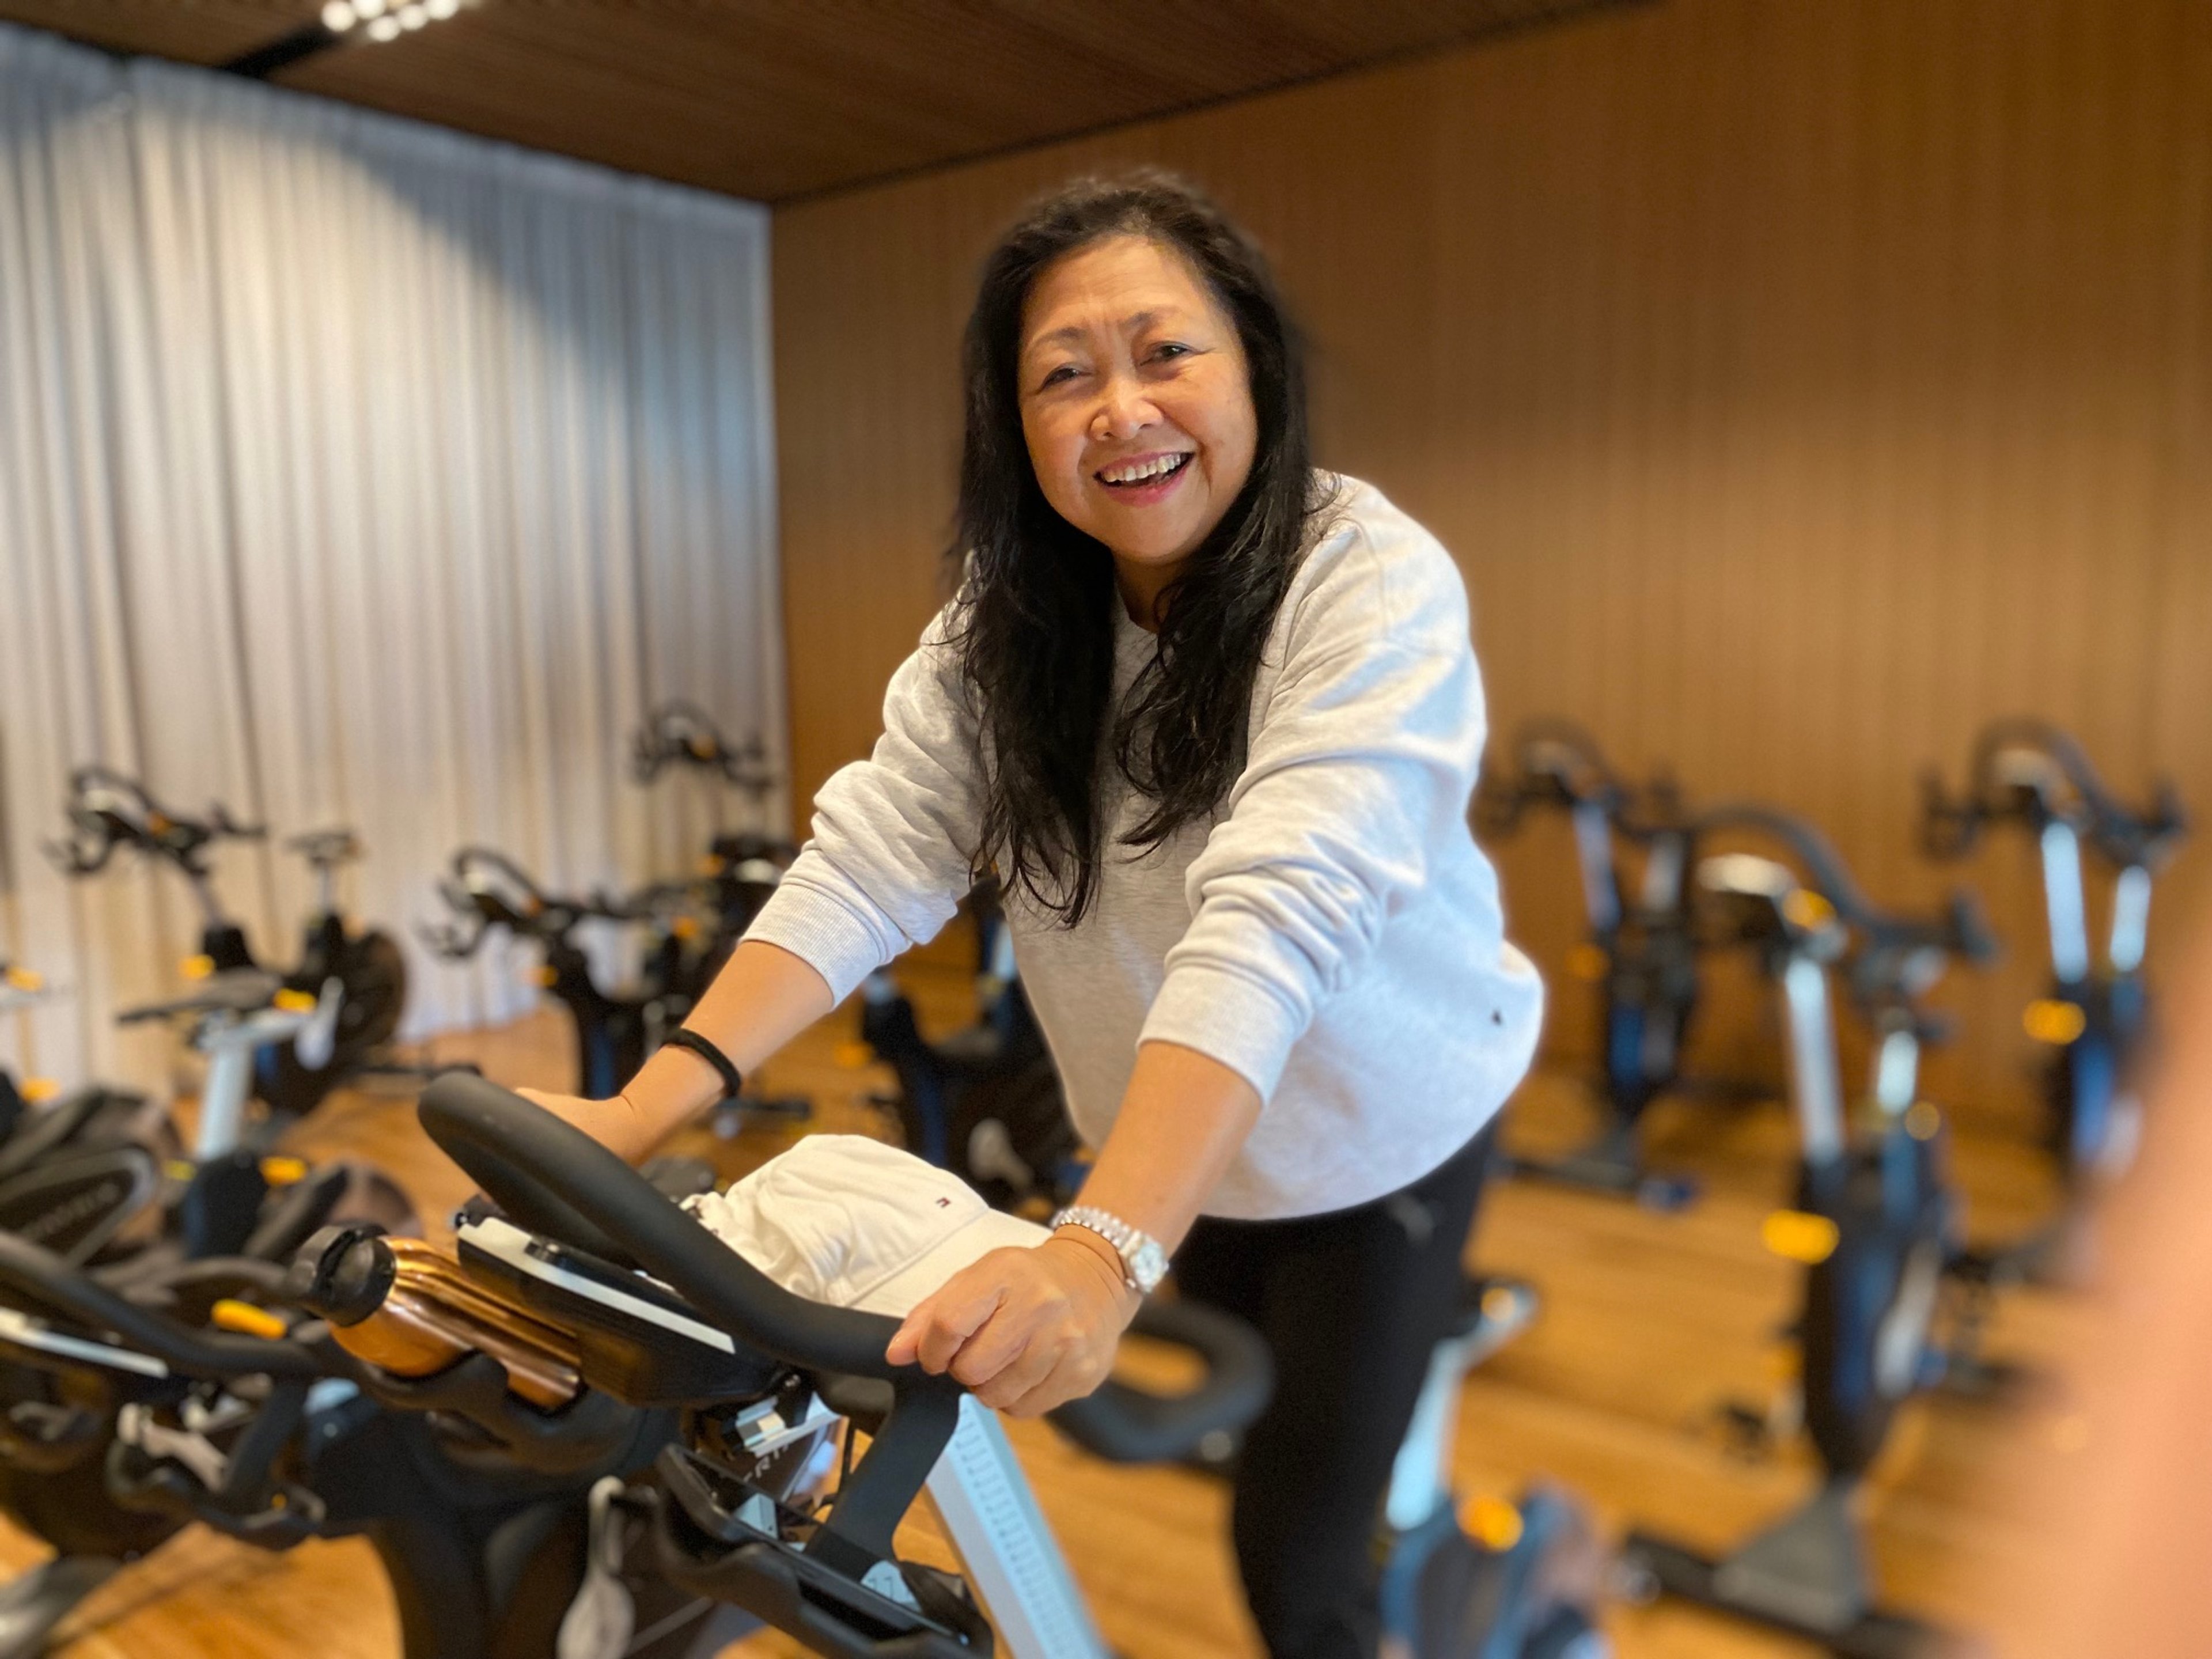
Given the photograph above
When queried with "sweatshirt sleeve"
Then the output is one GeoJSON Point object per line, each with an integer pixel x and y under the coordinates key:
{"type": "Point", "coordinates": [1362, 759]}
{"type": "Point", "coordinates": [894, 835]}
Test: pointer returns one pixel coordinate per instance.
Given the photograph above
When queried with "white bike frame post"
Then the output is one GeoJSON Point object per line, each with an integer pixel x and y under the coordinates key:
{"type": "Point", "coordinates": [1594, 858]}
{"type": "Point", "coordinates": [229, 1050]}
{"type": "Point", "coordinates": [1815, 1089]}
{"type": "Point", "coordinates": [2065, 903]}
{"type": "Point", "coordinates": [229, 1041]}
{"type": "Point", "coordinates": [2130, 919]}
{"type": "Point", "coordinates": [1007, 1548]}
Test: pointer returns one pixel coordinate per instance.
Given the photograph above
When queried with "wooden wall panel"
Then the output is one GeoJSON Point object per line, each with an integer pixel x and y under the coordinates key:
{"type": "Point", "coordinates": [1798, 386]}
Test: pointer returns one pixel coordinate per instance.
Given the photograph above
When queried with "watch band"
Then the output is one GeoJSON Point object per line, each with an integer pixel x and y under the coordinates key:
{"type": "Point", "coordinates": [1144, 1262]}
{"type": "Point", "coordinates": [684, 1037]}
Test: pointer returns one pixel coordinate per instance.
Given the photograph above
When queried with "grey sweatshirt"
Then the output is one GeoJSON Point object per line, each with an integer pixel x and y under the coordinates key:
{"type": "Point", "coordinates": [1333, 934]}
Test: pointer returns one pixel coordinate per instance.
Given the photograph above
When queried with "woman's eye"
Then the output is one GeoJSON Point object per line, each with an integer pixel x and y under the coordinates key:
{"type": "Point", "coordinates": [1170, 348]}
{"type": "Point", "coordinates": [1065, 372]}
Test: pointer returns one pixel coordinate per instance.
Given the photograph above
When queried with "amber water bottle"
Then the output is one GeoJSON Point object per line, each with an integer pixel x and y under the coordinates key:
{"type": "Point", "coordinates": [407, 1308]}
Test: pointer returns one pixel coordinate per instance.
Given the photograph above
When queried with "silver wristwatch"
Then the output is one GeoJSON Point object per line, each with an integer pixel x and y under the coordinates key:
{"type": "Point", "coordinates": [1144, 1263]}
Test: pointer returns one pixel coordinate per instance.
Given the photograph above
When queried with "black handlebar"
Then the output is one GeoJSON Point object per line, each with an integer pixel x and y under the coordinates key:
{"type": "Point", "coordinates": [552, 1178]}
{"type": "Point", "coordinates": [2068, 790]}
{"type": "Point", "coordinates": [680, 733]}
{"type": "Point", "coordinates": [1556, 763]}
{"type": "Point", "coordinates": [1961, 931]}
{"type": "Point", "coordinates": [108, 810]}
{"type": "Point", "coordinates": [1127, 1425]}
{"type": "Point", "coordinates": [44, 1278]}
{"type": "Point", "coordinates": [488, 890]}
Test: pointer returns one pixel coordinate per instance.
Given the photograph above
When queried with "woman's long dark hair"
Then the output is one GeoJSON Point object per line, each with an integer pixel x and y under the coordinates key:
{"type": "Point", "coordinates": [1035, 617]}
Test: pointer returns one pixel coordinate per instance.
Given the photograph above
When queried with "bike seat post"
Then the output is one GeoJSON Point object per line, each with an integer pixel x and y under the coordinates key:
{"type": "Point", "coordinates": [1594, 857]}
{"type": "Point", "coordinates": [1664, 862]}
{"type": "Point", "coordinates": [1815, 1089]}
{"type": "Point", "coordinates": [222, 1037]}
{"type": "Point", "coordinates": [1801, 927]}
{"type": "Point", "coordinates": [2065, 901]}
{"type": "Point", "coordinates": [229, 1040]}
{"type": "Point", "coordinates": [202, 885]}
{"type": "Point", "coordinates": [1897, 1064]}
{"type": "Point", "coordinates": [2130, 920]}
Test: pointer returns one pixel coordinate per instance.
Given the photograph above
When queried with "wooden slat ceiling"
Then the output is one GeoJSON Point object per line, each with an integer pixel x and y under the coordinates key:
{"type": "Point", "coordinates": [777, 99]}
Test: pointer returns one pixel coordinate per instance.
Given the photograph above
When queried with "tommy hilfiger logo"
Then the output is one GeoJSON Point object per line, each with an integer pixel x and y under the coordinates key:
{"type": "Point", "coordinates": [944, 1203]}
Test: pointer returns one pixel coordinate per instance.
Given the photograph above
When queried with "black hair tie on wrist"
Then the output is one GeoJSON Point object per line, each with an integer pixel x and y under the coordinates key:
{"type": "Point", "coordinates": [684, 1037]}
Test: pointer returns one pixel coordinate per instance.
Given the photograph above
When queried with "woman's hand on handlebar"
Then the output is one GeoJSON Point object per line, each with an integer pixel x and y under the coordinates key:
{"type": "Point", "coordinates": [763, 997]}
{"type": "Point", "coordinates": [615, 1124]}
{"type": "Point", "coordinates": [1024, 1330]}
{"type": "Point", "coordinates": [1028, 1330]}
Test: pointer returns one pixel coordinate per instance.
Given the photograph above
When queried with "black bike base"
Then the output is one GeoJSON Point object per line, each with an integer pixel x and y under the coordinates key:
{"type": "Point", "coordinates": [40, 1598]}
{"type": "Point", "coordinates": [1669, 1569]}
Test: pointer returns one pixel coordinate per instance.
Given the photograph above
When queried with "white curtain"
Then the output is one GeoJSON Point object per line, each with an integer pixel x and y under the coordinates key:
{"type": "Point", "coordinates": [355, 472]}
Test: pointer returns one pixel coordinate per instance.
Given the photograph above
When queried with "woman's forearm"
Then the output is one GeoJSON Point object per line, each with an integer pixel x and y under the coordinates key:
{"type": "Point", "coordinates": [763, 997]}
{"type": "Point", "coordinates": [1184, 1119]}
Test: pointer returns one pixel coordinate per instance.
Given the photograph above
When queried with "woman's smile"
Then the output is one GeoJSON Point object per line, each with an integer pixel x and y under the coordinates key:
{"type": "Point", "coordinates": [1146, 479]}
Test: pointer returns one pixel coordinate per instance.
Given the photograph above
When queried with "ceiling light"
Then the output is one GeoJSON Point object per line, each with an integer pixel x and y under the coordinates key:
{"type": "Point", "coordinates": [441, 10]}
{"type": "Point", "coordinates": [384, 29]}
{"type": "Point", "coordinates": [368, 8]}
{"type": "Point", "coordinates": [413, 17]}
{"type": "Point", "coordinates": [338, 16]}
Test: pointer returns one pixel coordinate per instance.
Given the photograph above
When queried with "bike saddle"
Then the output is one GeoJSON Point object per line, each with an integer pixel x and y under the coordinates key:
{"type": "Point", "coordinates": [325, 848]}
{"type": "Point", "coordinates": [235, 991]}
{"type": "Point", "coordinates": [31, 1605]}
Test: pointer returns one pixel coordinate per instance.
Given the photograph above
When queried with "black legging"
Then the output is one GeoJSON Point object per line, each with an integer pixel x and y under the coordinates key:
{"type": "Point", "coordinates": [1352, 1303]}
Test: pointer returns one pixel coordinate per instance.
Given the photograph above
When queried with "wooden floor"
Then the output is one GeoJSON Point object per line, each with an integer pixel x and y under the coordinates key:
{"type": "Point", "coordinates": [1651, 1323]}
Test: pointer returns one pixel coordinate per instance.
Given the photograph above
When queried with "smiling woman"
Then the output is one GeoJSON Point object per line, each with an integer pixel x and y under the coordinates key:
{"type": "Point", "coordinates": [1213, 717]}
{"type": "Point", "coordinates": [1135, 389]}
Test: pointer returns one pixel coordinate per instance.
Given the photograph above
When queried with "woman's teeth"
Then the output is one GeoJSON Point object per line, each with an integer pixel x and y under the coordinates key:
{"type": "Point", "coordinates": [1143, 471]}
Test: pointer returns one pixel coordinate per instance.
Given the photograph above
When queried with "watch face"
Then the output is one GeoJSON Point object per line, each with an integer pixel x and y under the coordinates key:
{"type": "Point", "coordinates": [1148, 1265]}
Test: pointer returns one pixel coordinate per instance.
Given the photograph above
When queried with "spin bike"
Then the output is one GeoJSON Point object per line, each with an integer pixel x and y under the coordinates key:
{"type": "Point", "coordinates": [1485, 1579]}
{"type": "Point", "coordinates": [92, 1186]}
{"type": "Point", "coordinates": [487, 890]}
{"type": "Point", "coordinates": [742, 866]}
{"type": "Point", "coordinates": [1521, 1584]}
{"type": "Point", "coordinates": [79, 1173]}
{"type": "Point", "coordinates": [356, 983]}
{"type": "Point", "coordinates": [98, 1173]}
{"type": "Point", "coordinates": [615, 1032]}
{"type": "Point", "coordinates": [2096, 1015]}
{"type": "Point", "coordinates": [735, 1510]}
{"type": "Point", "coordinates": [1641, 954]}
{"type": "Point", "coordinates": [234, 1406]}
{"type": "Point", "coordinates": [1876, 1224]}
